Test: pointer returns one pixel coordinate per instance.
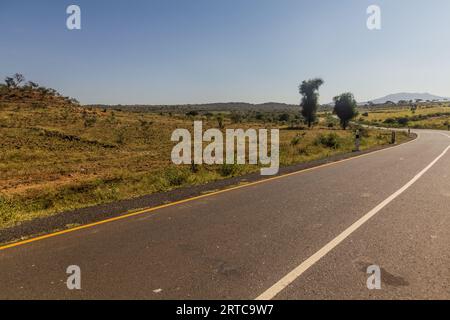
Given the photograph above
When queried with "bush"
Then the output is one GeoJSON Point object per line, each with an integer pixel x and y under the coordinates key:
{"type": "Point", "coordinates": [220, 121]}
{"type": "Point", "coordinates": [90, 121]}
{"type": "Point", "coordinates": [192, 113]}
{"type": "Point", "coordinates": [176, 176]}
{"type": "Point", "coordinates": [7, 211]}
{"type": "Point", "coordinates": [390, 121]}
{"type": "Point", "coordinates": [120, 138]}
{"type": "Point", "coordinates": [295, 140]}
{"type": "Point", "coordinates": [330, 140]}
{"type": "Point", "coordinates": [364, 132]}
{"type": "Point", "coordinates": [226, 170]}
{"type": "Point", "coordinates": [284, 117]}
{"type": "Point", "coordinates": [236, 117]}
{"type": "Point", "coordinates": [403, 121]}
{"type": "Point", "coordinates": [303, 151]}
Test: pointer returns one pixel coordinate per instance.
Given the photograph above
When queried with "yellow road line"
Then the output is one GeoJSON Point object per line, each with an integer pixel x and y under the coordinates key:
{"type": "Point", "coordinates": [54, 234]}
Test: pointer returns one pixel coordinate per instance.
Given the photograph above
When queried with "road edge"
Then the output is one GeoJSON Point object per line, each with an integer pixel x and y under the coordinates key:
{"type": "Point", "coordinates": [82, 218]}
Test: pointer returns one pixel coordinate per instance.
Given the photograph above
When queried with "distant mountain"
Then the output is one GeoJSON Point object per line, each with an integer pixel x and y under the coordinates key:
{"type": "Point", "coordinates": [396, 97]}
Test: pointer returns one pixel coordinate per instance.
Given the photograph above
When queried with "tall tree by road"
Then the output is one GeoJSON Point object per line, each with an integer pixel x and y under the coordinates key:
{"type": "Point", "coordinates": [310, 98]}
{"type": "Point", "coordinates": [345, 108]}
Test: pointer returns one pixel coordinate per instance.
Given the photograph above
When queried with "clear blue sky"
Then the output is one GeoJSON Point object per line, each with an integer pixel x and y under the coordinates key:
{"type": "Point", "coordinates": [195, 51]}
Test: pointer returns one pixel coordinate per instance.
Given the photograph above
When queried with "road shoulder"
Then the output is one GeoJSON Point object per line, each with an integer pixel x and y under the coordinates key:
{"type": "Point", "coordinates": [79, 217]}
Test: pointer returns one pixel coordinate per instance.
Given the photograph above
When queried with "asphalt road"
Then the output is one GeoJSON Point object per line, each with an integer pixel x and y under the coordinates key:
{"type": "Point", "coordinates": [289, 238]}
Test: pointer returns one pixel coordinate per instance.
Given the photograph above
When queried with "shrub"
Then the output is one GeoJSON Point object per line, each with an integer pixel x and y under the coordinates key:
{"type": "Point", "coordinates": [145, 125]}
{"type": "Point", "coordinates": [7, 211]}
{"type": "Point", "coordinates": [226, 170]}
{"type": "Point", "coordinates": [284, 117]}
{"type": "Point", "coordinates": [259, 116]}
{"type": "Point", "coordinates": [295, 140]}
{"type": "Point", "coordinates": [303, 151]}
{"type": "Point", "coordinates": [219, 119]}
{"type": "Point", "coordinates": [364, 132]}
{"type": "Point", "coordinates": [403, 121]}
{"type": "Point", "coordinates": [176, 176]}
{"type": "Point", "coordinates": [120, 138]}
{"type": "Point", "coordinates": [330, 140]}
{"type": "Point", "coordinates": [192, 113]}
{"type": "Point", "coordinates": [90, 121]}
{"type": "Point", "coordinates": [236, 117]}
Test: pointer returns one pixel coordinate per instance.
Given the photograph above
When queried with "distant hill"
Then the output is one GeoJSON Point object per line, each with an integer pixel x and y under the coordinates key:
{"type": "Point", "coordinates": [396, 97]}
{"type": "Point", "coordinates": [211, 107]}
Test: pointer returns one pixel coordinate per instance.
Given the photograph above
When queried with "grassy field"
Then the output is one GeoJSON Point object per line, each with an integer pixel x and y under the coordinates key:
{"type": "Point", "coordinates": [425, 117]}
{"type": "Point", "coordinates": [58, 157]}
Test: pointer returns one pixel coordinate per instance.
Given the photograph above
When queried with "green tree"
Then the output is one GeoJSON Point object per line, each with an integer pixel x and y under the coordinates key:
{"type": "Point", "coordinates": [345, 108]}
{"type": "Point", "coordinates": [18, 78]}
{"type": "Point", "coordinates": [14, 81]}
{"type": "Point", "coordinates": [310, 98]}
{"type": "Point", "coordinates": [284, 117]}
{"type": "Point", "coordinates": [10, 82]}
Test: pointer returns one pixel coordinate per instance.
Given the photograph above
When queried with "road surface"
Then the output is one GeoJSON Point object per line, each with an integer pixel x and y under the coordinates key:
{"type": "Point", "coordinates": [309, 235]}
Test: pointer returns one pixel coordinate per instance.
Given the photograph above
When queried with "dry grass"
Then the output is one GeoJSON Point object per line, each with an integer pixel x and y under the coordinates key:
{"type": "Point", "coordinates": [425, 117]}
{"type": "Point", "coordinates": [57, 158]}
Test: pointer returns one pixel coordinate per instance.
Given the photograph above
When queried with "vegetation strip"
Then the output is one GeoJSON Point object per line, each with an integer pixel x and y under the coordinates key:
{"type": "Point", "coordinates": [95, 214]}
